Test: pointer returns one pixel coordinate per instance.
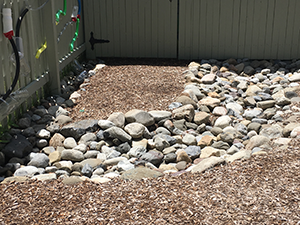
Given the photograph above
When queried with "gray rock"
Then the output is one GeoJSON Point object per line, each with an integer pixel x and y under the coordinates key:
{"type": "Point", "coordinates": [87, 170]}
{"type": "Point", "coordinates": [160, 115]}
{"type": "Point", "coordinates": [62, 119]}
{"type": "Point", "coordinates": [105, 124]}
{"type": "Point", "coordinates": [274, 131]}
{"type": "Point", "coordinates": [186, 112]}
{"type": "Point", "coordinates": [288, 129]}
{"type": "Point", "coordinates": [81, 147]}
{"type": "Point", "coordinates": [193, 151]}
{"type": "Point", "coordinates": [91, 154]}
{"type": "Point", "coordinates": [93, 162]}
{"type": "Point", "coordinates": [64, 165]}
{"type": "Point", "coordinates": [235, 107]}
{"type": "Point", "coordinates": [43, 177]}
{"type": "Point", "coordinates": [139, 173]}
{"type": "Point", "coordinates": [258, 141]}
{"type": "Point", "coordinates": [139, 116]}
{"type": "Point", "coordinates": [223, 121]}
{"type": "Point", "coordinates": [117, 118]}
{"type": "Point", "coordinates": [189, 139]}
{"type": "Point", "coordinates": [162, 130]}
{"type": "Point", "coordinates": [116, 132]}
{"type": "Point", "coordinates": [24, 122]}
{"type": "Point", "coordinates": [254, 126]}
{"type": "Point", "coordinates": [137, 151]}
{"type": "Point", "coordinates": [220, 145]}
{"type": "Point", "coordinates": [61, 111]}
{"type": "Point", "coordinates": [114, 161]}
{"type": "Point", "coordinates": [283, 101]}
{"type": "Point", "coordinates": [125, 165]}
{"type": "Point", "coordinates": [201, 117]}
{"type": "Point", "coordinates": [70, 143]}
{"type": "Point", "coordinates": [207, 163]}
{"type": "Point", "coordinates": [87, 138]}
{"type": "Point", "coordinates": [39, 160]}
{"type": "Point", "coordinates": [243, 154]}
{"type": "Point", "coordinates": [51, 169]}
{"type": "Point", "coordinates": [29, 132]}
{"type": "Point", "coordinates": [27, 171]}
{"type": "Point", "coordinates": [98, 171]}
{"type": "Point", "coordinates": [185, 100]}
{"type": "Point", "coordinates": [109, 152]}
{"type": "Point", "coordinates": [41, 143]}
{"type": "Point", "coordinates": [2, 159]}
{"type": "Point", "coordinates": [266, 104]}
{"type": "Point", "coordinates": [295, 77]}
{"type": "Point", "coordinates": [76, 130]}
{"type": "Point", "coordinates": [153, 156]}
{"type": "Point", "coordinates": [72, 155]}
{"type": "Point", "coordinates": [18, 147]}
{"type": "Point", "coordinates": [161, 143]}
{"type": "Point", "coordinates": [123, 148]}
{"type": "Point", "coordinates": [135, 130]}
{"type": "Point", "coordinates": [48, 150]}
{"type": "Point", "coordinates": [227, 137]}
{"type": "Point", "coordinates": [170, 158]}
{"type": "Point", "coordinates": [252, 113]}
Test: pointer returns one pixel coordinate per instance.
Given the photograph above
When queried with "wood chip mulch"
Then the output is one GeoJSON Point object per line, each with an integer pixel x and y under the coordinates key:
{"type": "Point", "coordinates": [125, 84]}
{"type": "Point", "coordinates": [262, 190]}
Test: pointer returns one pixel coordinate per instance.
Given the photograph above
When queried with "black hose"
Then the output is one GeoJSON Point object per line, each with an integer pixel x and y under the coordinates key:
{"type": "Point", "coordinates": [17, 57]}
{"type": "Point", "coordinates": [23, 13]}
{"type": "Point", "coordinates": [16, 52]}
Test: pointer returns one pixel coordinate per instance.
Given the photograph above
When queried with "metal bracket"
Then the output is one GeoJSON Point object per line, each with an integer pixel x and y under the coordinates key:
{"type": "Point", "coordinates": [94, 41]}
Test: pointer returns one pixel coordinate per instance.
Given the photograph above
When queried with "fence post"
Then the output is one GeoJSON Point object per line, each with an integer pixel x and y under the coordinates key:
{"type": "Point", "coordinates": [52, 49]}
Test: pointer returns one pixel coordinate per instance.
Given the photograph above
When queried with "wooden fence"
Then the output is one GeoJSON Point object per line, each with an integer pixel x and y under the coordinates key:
{"type": "Point", "coordinates": [195, 29]}
{"type": "Point", "coordinates": [38, 28]}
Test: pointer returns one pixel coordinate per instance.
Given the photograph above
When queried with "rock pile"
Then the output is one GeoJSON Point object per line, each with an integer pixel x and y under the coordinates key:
{"type": "Point", "coordinates": [228, 110]}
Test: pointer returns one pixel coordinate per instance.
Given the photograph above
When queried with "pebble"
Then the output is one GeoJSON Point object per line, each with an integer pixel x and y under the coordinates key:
{"type": "Point", "coordinates": [221, 116]}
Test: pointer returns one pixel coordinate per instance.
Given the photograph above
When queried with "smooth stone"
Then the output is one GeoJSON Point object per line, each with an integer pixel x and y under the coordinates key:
{"type": "Point", "coordinates": [283, 101]}
{"type": "Point", "coordinates": [235, 107]}
{"type": "Point", "coordinates": [48, 150]}
{"type": "Point", "coordinates": [250, 101]}
{"type": "Point", "coordinates": [219, 111]}
{"type": "Point", "coordinates": [57, 140]}
{"type": "Point", "coordinates": [139, 116]}
{"type": "Point", "coordinates": [81, 147]}
{"type": "Point", "coordinates": [289, 128]}
{"type": "Point", "coordinates": [210, 102]}
{"type": "Point", "coordinates": [54, 157]}
{"type": "Point", "coordinates": [110, 152]}
{"type": "Point", "coordinates": [99, 171]}
{"type": "Point", "coordinates": [153, 156]}
{"type": "Point", "coordinates": [266, 104]}
{"type": "Point", "coordinates": [117, 118]}
{"type": "Point", "coordinates": [61, 111]}
{"type": "Point", "coordinates": [185, 100]}
{"type": "Point", "coordinates": [93, 162]}
{"type": "Point", "coordinates": [169, 150]}
{"type": "Point", "coordinates": [162, 130]}
{"type": "Point", "coordinates": [232, 150]}
{"type": "Point", "coordinates": [41, 143]}
{"type": "Point", "coordinates": [76, 130]}
{"type": "Point", "coordinates": [91, 154]}
{"type": "Point", "coordinates": [160, 115]}
{"type": "Point", "coordinates": [189, 139]}
{"type": "Point", "coordinates": [206, 140]}
{"type": "Point", "coordinates": [43, 177]}
{"type": "Point", "coordinates": [39, 160]}
{"type": "Point", "coordinates": [161, 143]}
{"type": "Point", "coordinates": [124, 165]}
{"type": "Point", "coordinates": [51, 169]}
{"type": "Point", "coordinates": [201, 117]}
{"type": "Point", "coordinates": [87, 170]}
{"type": "Point", "coordinates": [274, 131]}
{"type": "Point", "coordinates": [228, 137]}
{"type": "Point", "coordinates": [252, 90]}
{"type": "Point", "coordinates": [210, 151]}
{"type": "Point", "coordinates": [186, 112]}
{"type": "Point", "coordinates": [207, 163]}
{"type": "Point", "coordinates": [180, 124]}
{"type": "Point", "coordinates": [258, 141]}
{"type": "Point", "coordinates": [63, 119]}
{"type": "Point", "coordinates": [70, 143]}
{"type": "Point", "coordinates": [135, 130]}
{"type": "Point", "coordinates": [125, 147]}
{"type": "Point", "coordinates": [24, 123]}
{"type": "Point", "coordinates": [87, 138]}
{"type": "Point", "coordinates": [216, 130]}
{"type": "Point", "coordinates": [295, 132]}
{"type": "Point", "coordinates": [72, 180]}
{"type": "Point", "coordinates": [295, 77]}
{"type": "Point", "coordinates": [209, 79]}
{"type": "Point", "coordinates": [193, 151]}
{"type": "Point", "coordinates": [27, 171]}
{"type": "Point", "coordinates": [43, 133]}
{"type": "Point", "coordinates": [114, 161]}
{"type": "Point", "coordinates": [181, 165]}
{"type": "Point", "coordinates": [282, 141]}
{"type": "Point", "coordinates": [254, 126]}
{"type": "Point", "coordinates": [170, 158]}
{"type": "Point", "coordinates": [15, 179]}
{"type": "Point", "coordinates": [183, 156]}
{"type": "Point", "coordinates": [100, 180]}
{"type": "Point", "coordinates": [18, 147]}
{"type": "Point", "coordinates": [222, 121]}
{"type": "Point", "coordinates": [72, 155]}
{"type": "Point", "coordinates": [249, 114]}
{"type": "Point", "coordinates": [139, 173]}
{"type": "Point", "coordinates": [137, 151]}
{"type": "Point", "coordinates": [105, 124]}
{"type": "Point", "coordinates": [243, 154]}
{"type": "Point", "coordinates": [220, 145]}
{"type": "Point", "coordinates": [64, 165]}
{"type": "Point", "coordinates": [168, 167]}
{"type": "Point", "coordinates": [116, 132]}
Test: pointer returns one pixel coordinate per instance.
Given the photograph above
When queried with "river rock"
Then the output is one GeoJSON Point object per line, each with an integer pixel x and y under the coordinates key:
{"type": "Point", "coordinates": [18, 147]}
{"type": "Point", "coordinates": [139, 116]}
{"type": "Point", "coordinates": [72, 155]}
{"type": "Point", "coordinates": [139, 173]}
{"type": "Point", "coordinates": [207, 163]}
{"type": "Point", "coordinates": [116, 132]}
{"type": "Point", "coordinates": [39, 160]}
{"type": "Point", "coordinates": [135, 130]}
